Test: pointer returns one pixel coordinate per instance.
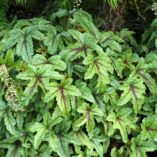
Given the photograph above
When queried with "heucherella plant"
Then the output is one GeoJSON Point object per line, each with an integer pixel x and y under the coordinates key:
{"type": "Point", "coordinates": [78, 93]}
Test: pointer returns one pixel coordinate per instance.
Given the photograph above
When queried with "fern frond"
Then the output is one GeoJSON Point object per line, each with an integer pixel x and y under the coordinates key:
{"type": "Point", "coordinates": [113, 3]}
{"type": "Point", "coordinates": [21, 1]}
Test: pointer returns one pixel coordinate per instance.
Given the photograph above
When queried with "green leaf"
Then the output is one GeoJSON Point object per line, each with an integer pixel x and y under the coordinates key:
{"type": "Point", "coordinates": [83, 138]}
{"type": "Point", "coordinates": [14, 151]}
{"type": "Point", "coordinates": [142, 70]}
{"type": "Point", "coordinates": [41, 131]}
{"type": "Point", "coordinates": [53, 62]}
{"type": "Point", "coordinates": [14, 37]}
{"type": "Point", "coordinates": [62, 91]}
{"type": "Point", "coordinates": [133, 90]}
{"type": "Point", "coordinates": [113, 45]}
{"type": "Point", "coordinates": [52, 40]}
{"type": "Point", "coordinates": [149, 128]}
{"type": "Point", "coordinates": [139, 147]}
{"type": "Point", "coordinates": [23, 41]}
{"type": "Point", "coordinates": [10, 122]}
{"type": "Point", "coordinates": [38, 76]}
{"type": "Point", "coordinates": [100, 65]}
{"type": "Point", "coordinates": [85, 20]}
{"type": "Point", "coordinates": [9, 57]}
{"type": "Point", "coordinates": [90, 113]}
{"type": "Point", "coordinates": [85, 91]}
{"type": "Point", "coordinates": [97, 143]}
{"type": "Point", "coordinates": [3, 108]}
{"type": "Point", "coordinates": [125, 62]}
{"type": "Point", "coordinates": [122, 152]}
{"type": "Point", "coordinates": [60, 145]}
{"type": "Point", "coordinates": [123, 121]}
{"type": "Point", "coordinates": [84, 46]}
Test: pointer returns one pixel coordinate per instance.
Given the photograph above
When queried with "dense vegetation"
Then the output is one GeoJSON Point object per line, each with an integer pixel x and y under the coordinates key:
{"type": "Point", "coordinates": [78, 78]}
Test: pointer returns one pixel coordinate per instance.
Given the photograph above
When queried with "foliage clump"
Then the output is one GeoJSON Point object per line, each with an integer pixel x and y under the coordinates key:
{"type": "Point", "coordinates": [77, 91]}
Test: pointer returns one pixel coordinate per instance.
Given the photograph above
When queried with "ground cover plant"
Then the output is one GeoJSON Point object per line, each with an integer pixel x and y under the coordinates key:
{"type": "Point", "coordinates": [70, 89]}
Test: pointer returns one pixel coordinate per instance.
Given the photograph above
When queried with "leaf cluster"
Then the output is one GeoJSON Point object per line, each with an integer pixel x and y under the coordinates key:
{"type": "Point", "coordinates": [79, 92]}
